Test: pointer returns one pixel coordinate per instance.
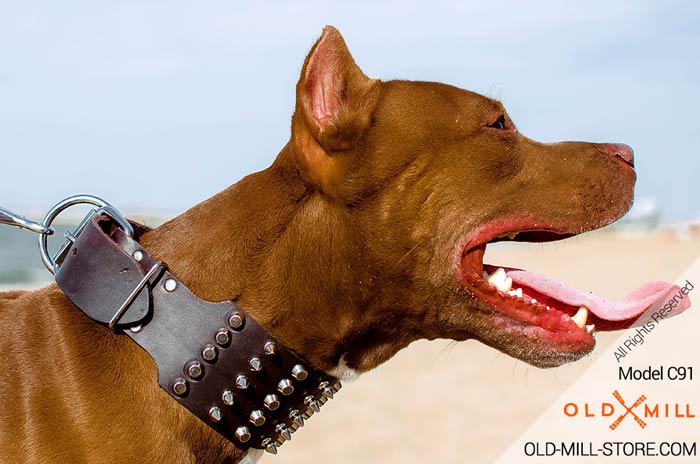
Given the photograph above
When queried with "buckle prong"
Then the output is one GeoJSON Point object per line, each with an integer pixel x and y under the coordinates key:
{"type": "Point", "coordinates": [134, 293]}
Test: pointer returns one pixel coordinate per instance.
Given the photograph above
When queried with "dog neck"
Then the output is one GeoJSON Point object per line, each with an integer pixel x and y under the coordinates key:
{"type": "Point", "coordinates": [290, 257]}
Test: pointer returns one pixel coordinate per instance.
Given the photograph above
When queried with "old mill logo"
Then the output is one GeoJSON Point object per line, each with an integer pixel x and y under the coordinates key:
{"type": "Point", "coordinates": [640, 411]}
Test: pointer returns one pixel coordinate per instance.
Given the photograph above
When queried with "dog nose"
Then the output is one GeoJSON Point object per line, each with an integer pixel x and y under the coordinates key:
{"type": "Point", "coordinates": [620, 150]}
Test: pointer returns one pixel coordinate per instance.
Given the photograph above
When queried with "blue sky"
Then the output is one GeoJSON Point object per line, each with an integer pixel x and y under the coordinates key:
{"type": "Point", "coordinates": [156, 106]}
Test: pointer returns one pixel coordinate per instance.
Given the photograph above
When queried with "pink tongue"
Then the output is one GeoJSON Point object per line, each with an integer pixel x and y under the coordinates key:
{"type": "Point", "coordinates": [631, 306]}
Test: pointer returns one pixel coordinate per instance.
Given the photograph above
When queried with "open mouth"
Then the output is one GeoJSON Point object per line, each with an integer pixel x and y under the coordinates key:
{"type": "Point", "coordinates": [553, 314]}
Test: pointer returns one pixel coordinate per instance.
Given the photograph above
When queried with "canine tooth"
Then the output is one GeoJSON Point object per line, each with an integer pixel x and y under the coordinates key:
{"type": "Point", "coordinates": [498, 276]}
{"type": "Point", "coordinates": [506, 285]}
{"type": "Point", "coordinates": [590, 328]}
{"type": "Point", "coordinates": [519, 292]}
{"type": "Point", "coordinates": [581, 317]}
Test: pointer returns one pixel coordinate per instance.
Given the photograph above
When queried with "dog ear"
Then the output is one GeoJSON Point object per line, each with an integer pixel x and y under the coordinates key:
{"type": "Point", "coordinates": [334, 105]}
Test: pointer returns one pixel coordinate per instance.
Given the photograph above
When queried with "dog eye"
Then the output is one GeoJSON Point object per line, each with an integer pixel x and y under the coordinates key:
{"type": "Point", "coordinates": [499, 124]}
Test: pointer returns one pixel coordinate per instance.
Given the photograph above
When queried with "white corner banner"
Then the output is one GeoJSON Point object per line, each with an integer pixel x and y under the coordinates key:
{"type": "Point", "coordinates": [638, 402]}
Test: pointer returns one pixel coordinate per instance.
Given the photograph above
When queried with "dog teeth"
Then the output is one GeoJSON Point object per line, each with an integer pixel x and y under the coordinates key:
{"type": "Point", "coordinates": [517, 292]}
{"type": "Point", "coordinates": [581, 317]}
{"type": "Point", "coordinates": [499, 280]}
{"type": "Point", "coordinates": [533, 301]}
{"type": "Point", "coordinates": [512, 235]}
{"type": "Point", "coordinates": [590, 328]}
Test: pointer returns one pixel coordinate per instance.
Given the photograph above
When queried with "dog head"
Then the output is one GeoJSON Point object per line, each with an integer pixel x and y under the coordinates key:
{"type": "Point", "coordinates": [408, 182]}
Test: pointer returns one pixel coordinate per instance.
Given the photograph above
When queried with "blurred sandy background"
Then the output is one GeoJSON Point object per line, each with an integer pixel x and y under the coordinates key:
{"type": "Point", "coordinates": [466, 403]}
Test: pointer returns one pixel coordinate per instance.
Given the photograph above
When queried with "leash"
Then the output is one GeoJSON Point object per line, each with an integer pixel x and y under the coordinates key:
{"type": "Point", "coordinates": [212, 358]}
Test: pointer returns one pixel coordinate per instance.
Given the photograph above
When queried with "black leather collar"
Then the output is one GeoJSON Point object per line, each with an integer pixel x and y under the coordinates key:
{"type": "Point", "coordinates": [212, 358]}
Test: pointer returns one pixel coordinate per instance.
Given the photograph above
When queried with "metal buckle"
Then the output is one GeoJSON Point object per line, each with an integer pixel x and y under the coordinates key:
{"type": "Point", "coordinates": [104, 208]}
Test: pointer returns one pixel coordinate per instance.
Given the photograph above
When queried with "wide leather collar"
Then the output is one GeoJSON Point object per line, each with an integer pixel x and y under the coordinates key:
{"type": "Point", "coordinates": [212, 358]}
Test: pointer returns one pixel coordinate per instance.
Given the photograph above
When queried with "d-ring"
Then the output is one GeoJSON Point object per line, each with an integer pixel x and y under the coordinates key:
{"type": "Point", "coordinates": [104, 208]}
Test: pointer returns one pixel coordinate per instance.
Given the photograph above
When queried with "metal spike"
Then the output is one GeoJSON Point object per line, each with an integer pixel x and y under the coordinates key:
{"type": "Point", "coordinates": [228, 398]}
{"type": "Point", "coordinates": [270, 348]}
{"type": "Point", "coordinates": [242, 382]}
{"type": "Point", "coordinates": [311, 402]}
{"type": "Point", "coordinates": [296, 417]}
{"type": "Point", "coordinates": [271, 402]}
{"type": "Point", "coordinates": [255, 364]}
{"type": "Point", "coordinates": [209, 353]}
{"type": "Point", "coordinates": [271, 448]}
{"type": "Point", "coordinates": [299, 372]}
{"type": "Point", "coordinates": [257, 417]}
{"type": "Point", "coordinates": [222, 337]}
{"type": "Point", "coordinates": [328, 392]}
{"type": "Point", "coordinates": [215, 414]}
{"type": "Point", "coordinates": [284, 431]}
{"type": "Point", "coordinates": [285, 387]}
{"type": "Point", "coordinates": [243, 434]}
{"type": "Point", "coordinates": [236, 321]}
{"type": "Point", "coordinates": [179, 386]}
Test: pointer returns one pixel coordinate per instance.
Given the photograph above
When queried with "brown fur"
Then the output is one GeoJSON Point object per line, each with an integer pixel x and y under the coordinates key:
{"type": "Point", "coordinates": [344, 246]}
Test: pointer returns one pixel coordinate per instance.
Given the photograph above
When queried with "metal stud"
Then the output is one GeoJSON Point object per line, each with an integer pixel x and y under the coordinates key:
{"type": "Point", "coordinates": [285, 387]}
{"type": "Point", "coordinates": [236, 321]}
{"type": "Point", "coordinates": [170, 285]}
{"type": "Point", "coordinates": [269, 446]}
{"type": "Point", "coordinates": [195, 370]}
{"type": "Point", "coordinates": [242, 382]}
{"type": "Point", "coordinates": [138, 255]}
{"type": "Point", "coordinates": [209, 353]}
{"type": "Point", "coordinates": [284, 431]}
{"type": "Point", "coordinates": [222, 337]}
{"type": "Point", "coordinates": [227, 398]}
{"type": "Point", "coordinates": [257, 417]}
{"type": "Point", "coordinates": [179, 386]}
{"type": "Point", "coordinates": [299, 373]}
{"type": "Point", "coordinates": [311, 402]}
{"type": "Point", "coordinates": [270, 348]}
{"type": "Point", "coordinates": [215, 414]}
{"type": "Point", "coordinates": [296, 417]}
{"type": "Point", "coordinates": [242, 434]}
{"type": "Point", "coordinates": [328, 392]}
{"type": "Point", "coordinates": [271, 402]}
{"type": "Point", "coordinates": [255, 364]}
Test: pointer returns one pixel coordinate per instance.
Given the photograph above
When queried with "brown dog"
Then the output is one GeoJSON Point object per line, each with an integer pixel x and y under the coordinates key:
{"type": "Point", "coordinates": [366, 234]}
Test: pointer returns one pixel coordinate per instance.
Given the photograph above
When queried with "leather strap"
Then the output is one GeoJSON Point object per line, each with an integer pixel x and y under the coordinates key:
{"type": "Point", "coordinates": [212, 358]}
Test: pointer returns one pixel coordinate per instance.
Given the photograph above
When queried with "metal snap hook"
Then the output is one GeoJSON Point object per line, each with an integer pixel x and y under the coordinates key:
{"type": "Point", "coordinates": [16, 220]}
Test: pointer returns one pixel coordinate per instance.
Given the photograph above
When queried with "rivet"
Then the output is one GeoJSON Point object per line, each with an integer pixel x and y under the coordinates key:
{"type": "Point", "coordinates": [284, 431]}
{"type": "Point", "coordinates": [195, 369]}
{"type": "Point", "coordinates": [242, 382]}
{"type": "Point", "coordinates": [270, 348]}
{"type": "Point", "coordinates": [215, 414]}
{"type": "Point", "coordinates": [170, 284]}
{"type": "Point", "coordinates": [311, 402]}
{"type": "Point", "coordinates": [271, 402]}
{"type": "Point", "coordinates": [179, 386]}
{"type": "Point", "coordinates": [227, 398]}
{"type": "Point", "coordinates": [285, 387]}
{"type": "Point", "coordinates": [236, 321]}
{"type": "Point", "coordinates": [209, 353]}
{"type": "Point", "coordinates": [242, 434]}
{"type": "Point", "coordinates": [257, 417]}
{"type": "Point", "coordinates": [296, 417]}
{"type": "Point", "coordinates": [138, 255]}
{"type": "Point", "coordinates": [136, 328]}
{"type": "Point", "coordinates": [255, 364]}
{"type": "Point", "coordinates": [222, 337]}
{"type": "Point", "coordinates": [299, 373]}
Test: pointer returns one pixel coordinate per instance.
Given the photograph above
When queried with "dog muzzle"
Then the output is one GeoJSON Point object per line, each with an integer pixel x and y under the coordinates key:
{"type": "Point", "coordinates": [212, 358]}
